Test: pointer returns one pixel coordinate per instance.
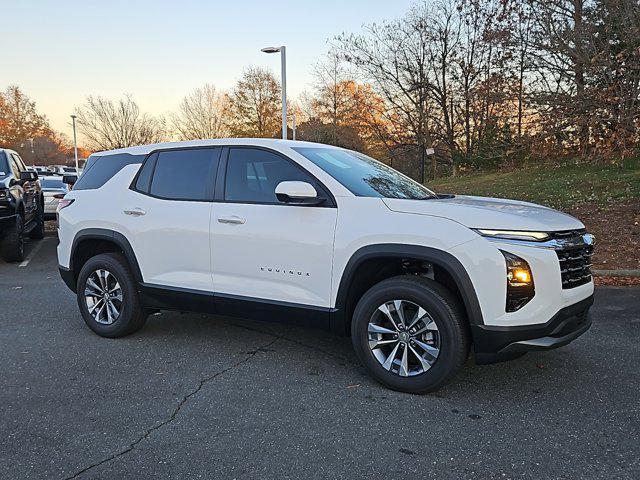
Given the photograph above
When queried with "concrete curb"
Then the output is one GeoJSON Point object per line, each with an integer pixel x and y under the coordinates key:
{"type": "Point", "coordinates": [616, 273]}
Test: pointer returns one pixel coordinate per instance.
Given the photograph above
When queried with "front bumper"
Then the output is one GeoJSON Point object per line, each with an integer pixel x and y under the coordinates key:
{"type": "Point", "coordinates": [497, 343]}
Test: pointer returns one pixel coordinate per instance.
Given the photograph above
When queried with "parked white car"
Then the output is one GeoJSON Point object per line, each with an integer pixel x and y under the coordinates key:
{"type": "Point", "coordinates": [53, 189]}
{"type": "Point", "coordinates": [322, 236]}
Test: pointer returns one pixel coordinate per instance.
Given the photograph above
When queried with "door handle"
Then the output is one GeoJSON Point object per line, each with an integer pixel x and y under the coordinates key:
{"type": "Point", "coordinates": [233, 219]}
{"type": "Point", "coordinates": [135, 212]}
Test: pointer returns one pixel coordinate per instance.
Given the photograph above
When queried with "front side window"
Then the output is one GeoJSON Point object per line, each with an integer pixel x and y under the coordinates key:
{"type": "Point", "coordinates": [185, 174]}
{"type": "Point", "coordinates": [253, 175]}
{"type": "Point", "coordinates": [15, 166]}
{"type": "Point", "coordinates": [364, 176]}
{"type": "Point", "coordinates": [20, 163]}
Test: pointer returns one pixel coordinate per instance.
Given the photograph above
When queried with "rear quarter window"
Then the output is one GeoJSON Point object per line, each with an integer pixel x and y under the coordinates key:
{"type": "Point", "coordinates": [101, 168]}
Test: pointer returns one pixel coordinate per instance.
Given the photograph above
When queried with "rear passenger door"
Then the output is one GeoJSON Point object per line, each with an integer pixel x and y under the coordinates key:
{"type": "Point", "coordinates": [263, 249]}
{"type": "Point", "coordinates": [167, 213]}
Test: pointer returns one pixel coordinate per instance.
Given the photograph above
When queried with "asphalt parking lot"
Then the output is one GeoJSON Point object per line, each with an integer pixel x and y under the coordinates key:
{"type": "Point", "coordinates": [193, 396]}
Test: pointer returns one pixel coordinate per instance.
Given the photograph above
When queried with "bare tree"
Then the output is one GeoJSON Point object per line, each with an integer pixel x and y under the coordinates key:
{"type": "Point", "coordinates": [254, 105]}
{"type": "Point", "coordinates": [330, 75]}
{"type": "Point", "coordinates": [561, 52]}
{"type": "Point", "coordinates": [201, 114]}
{"type": "Point", "coordinates": [614, 75]}
{"type": "Point", "coordinates": [108, 125]}
{"type": "Point", "coordinates": [394, 57]}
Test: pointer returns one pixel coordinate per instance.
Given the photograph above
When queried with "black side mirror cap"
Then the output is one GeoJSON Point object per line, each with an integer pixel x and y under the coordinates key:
{"type": "Point", "coordinates": [28, 176]}
{"type": "Point", "coordinates": [308, 201]}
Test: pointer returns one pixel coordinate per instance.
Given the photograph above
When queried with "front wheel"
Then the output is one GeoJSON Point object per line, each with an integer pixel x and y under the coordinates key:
{"type": "Point", "coordinates": [108, 297]}
{"type": "Point", "coordinates": [38, 230]}
{"type": "Point", "coordinates": [410, 334]}
{"type": "Point", "coordinates": [12, 245]}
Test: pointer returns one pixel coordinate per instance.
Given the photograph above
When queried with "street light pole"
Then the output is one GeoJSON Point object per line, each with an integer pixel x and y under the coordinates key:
{"type": "Point", "coordinates": [293, 129]}
{"type": "Point", "coordinates": [283, 65]}
{"type": "Point", "coordinates": [75, 141]}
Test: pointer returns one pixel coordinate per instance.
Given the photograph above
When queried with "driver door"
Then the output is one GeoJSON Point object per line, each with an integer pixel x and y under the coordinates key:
{"type": "Point", "coordinates": [263, 250]}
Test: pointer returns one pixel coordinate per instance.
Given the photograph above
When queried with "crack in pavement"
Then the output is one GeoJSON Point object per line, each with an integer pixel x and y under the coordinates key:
{"type": "Point", "coordinates": [302, 344]}
{"type": "Point", "coordinates": [147, 433]}
{"type": "Point", "coordinates": [251, 354]}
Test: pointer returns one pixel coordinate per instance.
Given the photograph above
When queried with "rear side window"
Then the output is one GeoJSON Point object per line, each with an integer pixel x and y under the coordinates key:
{"type": "Point", "coordinates": [253, 175]}
{"type": "Point", "coordinates": [185, 174]}
{"type": "Point", "coordinates": [53, 184]}
{"type": "Point", "coordinates": [100, 169]}
{"type": "Point", "coordinates": [144, 177]}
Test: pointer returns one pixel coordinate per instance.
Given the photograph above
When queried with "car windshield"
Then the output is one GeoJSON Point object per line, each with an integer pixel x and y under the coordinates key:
{"type": "Point", "coordinates": [4, 166]}
{"type": "Point", "coordinates": [69, 169]}
{"type": "Point", "coordinates": [364, 176]}
{"type": "Point", "coordinates": [52, 184]}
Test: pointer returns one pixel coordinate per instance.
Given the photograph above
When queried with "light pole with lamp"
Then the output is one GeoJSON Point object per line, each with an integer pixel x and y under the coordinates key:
{"type": "Point", "coordinates": [283, 65]}
{"type": "Point", "coordinates": [75, 142]}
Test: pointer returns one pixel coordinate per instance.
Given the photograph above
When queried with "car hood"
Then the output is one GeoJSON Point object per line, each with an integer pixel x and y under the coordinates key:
{"type": "Point", "coordinates": [490, 213]}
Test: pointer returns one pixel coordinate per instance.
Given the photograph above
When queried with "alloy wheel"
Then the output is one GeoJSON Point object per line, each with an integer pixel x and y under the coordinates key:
{"type": "Point", "coordinates": [103, 296]}
{"type": "Point", "coordinates": [404, 338]}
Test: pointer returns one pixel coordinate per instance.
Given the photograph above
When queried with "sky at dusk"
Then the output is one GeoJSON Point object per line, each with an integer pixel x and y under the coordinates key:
{"type": "Point", "coordinates": [59, 52]}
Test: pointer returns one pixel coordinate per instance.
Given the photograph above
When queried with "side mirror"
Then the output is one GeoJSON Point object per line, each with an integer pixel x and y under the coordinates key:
{"type": "Point", "coordinates": [70, 179]}
{"type": "Point", "coordinates": [298, 193]}
{"type": "Point", "coordinates": [28, 176]}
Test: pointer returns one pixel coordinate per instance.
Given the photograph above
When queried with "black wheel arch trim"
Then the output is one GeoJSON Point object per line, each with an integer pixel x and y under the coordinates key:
{"type": "Point", "coordinates": [339, 322]}
{"type": "Point", "coordinates": [108, 235]}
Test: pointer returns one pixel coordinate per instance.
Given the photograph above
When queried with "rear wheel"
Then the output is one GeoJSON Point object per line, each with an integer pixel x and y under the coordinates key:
{"type": "Point", "coordinates": [12, 243]}
{"type": "Point", "coordinates": [108, 297]}
{"type": "Point", "coordinates": [410, 334]}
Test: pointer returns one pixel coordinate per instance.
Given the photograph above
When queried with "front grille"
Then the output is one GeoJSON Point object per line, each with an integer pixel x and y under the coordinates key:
{"type": "Point", "coordinates": [574, 256]}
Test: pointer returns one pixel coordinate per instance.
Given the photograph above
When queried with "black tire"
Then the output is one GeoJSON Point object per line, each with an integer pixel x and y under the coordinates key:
{"type": "Point", "coordinates": [445, 311]}
{"type": "Point", "coordinates": [12, 242]}
{"type": "Point", "coordinates": [37, 233]}
{"type": "Point", "coordinates": [132, 316]}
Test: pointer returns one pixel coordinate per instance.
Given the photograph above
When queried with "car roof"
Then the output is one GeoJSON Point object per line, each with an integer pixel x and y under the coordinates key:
{"type": "Point", "coordinates": [258, 142]}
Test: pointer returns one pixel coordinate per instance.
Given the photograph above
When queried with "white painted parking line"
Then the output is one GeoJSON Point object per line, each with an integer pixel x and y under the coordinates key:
{"type": "Point", "coordinates": [33, 252]}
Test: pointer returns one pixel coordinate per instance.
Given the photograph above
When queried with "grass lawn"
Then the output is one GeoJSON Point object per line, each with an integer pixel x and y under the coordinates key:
{"type": "Point", "coordinates": [559, 187]}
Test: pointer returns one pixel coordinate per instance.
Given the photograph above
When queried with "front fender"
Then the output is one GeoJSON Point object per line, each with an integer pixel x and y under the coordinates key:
{"type": "Point", "coordinates": [439, 257]}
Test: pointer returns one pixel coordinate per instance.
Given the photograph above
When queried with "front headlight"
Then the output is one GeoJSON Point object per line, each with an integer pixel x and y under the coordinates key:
{"type": "Point", "coordinates": [514, 235]}
{"type": "Point", "coordinates": [520, 287]}
{"type": "Point", "coordinates": [3, 193]}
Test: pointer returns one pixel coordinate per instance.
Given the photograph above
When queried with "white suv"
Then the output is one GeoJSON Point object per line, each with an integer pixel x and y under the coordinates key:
{"type": "Point", "coordinates": [322, 236]}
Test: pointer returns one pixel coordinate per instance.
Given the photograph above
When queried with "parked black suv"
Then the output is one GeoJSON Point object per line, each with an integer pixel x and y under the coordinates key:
{"type": "Point", "coordinates": [21, 206]}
